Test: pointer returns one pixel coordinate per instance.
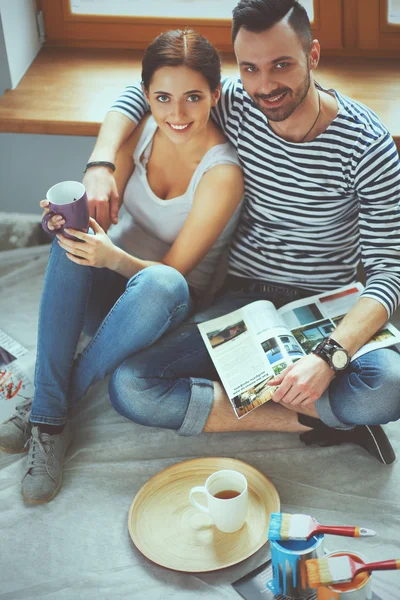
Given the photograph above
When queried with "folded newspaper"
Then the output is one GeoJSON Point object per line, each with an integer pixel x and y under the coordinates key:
{"type": "Point", "coordinates": [252, 345]}
{"type": "Point", "coordinates": [15, 387]}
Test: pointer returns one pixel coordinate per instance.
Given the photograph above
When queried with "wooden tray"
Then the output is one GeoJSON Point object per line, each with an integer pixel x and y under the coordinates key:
{"type": "Point", "coordinates": [167, 529]}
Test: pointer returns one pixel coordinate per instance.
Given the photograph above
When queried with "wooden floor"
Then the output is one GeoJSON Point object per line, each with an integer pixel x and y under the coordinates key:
{"type": "Point", "coordinates": [68, 91]}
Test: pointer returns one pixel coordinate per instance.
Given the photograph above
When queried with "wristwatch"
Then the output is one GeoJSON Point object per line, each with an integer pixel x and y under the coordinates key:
{"type": "Point", "coordinates": [332, 352]}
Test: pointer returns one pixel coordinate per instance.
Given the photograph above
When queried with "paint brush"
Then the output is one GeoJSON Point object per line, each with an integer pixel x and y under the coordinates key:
{"type": "Point", "coordinates": [342, 569]}
{"type": "Point", "coordinates": [283, 526]}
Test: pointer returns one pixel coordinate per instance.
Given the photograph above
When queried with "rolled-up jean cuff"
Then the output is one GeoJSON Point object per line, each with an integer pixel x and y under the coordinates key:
{"type": "Point", "coordinates": [200, 405]}
{"type": "Point", "coordinates": [47, 420]}
{"type": "Point", "coordinates": [326, 414]}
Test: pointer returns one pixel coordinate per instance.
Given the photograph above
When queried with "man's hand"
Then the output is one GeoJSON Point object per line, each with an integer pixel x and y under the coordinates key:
{"type": "Point", "coordinates": [303, 382]}
{"type": "Point", "coordinates": [102, 194]}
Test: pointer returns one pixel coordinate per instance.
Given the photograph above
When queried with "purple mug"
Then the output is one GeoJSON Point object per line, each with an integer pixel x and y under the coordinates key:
{"type": "Point", "coordinates": [68, 199]}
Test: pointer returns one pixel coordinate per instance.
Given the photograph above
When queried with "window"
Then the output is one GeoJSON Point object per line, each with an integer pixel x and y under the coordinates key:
{"type": "Point", "coordinates": [157, 8]}
{"type": "Point", "coordinates": [390, 16]}
{"type": "Point", "coordinates": [134, 23]}
{"type": "Point", "coordinates": [394, 12]}
{"type": "Point", "coordinates": [379, 26]}
{"type": "Point", "coordinates": [187, 9]}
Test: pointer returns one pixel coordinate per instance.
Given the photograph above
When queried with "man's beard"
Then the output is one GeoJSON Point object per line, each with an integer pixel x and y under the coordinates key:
{"type": "Point", "coordinates": [284, 112]}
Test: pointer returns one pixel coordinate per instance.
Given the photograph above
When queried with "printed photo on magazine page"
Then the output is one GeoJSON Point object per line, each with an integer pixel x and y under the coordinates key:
{"type": "Point", "coordinates": [14, 384]}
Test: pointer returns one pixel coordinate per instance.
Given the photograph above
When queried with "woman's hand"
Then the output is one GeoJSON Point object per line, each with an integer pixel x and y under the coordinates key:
{"type": "Point", "coordinates": [92, 250]}
{"type": "Point", "coordinates": [56, 222]}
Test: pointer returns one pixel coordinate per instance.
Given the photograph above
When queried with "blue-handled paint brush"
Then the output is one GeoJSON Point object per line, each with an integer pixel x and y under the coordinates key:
{"type": "Point", "coordinates": [283, 526]}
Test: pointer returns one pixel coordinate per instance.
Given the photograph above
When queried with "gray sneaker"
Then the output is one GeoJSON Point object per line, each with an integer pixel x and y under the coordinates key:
{"type": "Point", "coordinates": [16, 431]}
{"type": "Point", "coordinates": [42, 479]}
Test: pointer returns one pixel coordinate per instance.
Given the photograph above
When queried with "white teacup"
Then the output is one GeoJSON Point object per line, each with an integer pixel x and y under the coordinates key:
{"type": "Point", "coordinates": [227, 499]}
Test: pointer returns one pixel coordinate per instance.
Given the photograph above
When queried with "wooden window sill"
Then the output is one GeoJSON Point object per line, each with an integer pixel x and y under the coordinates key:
{"type": "Point", "coordinates": [68, 91]}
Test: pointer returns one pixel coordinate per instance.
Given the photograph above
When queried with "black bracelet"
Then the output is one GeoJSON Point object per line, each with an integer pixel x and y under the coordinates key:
{"type": "Point", "coordinates": [100, 163]}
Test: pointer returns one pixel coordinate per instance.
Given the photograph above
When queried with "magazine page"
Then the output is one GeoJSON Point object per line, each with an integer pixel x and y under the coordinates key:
{"type": "Point", "coordinates": [280, 346]}
{"type": "Point", "coordinates": [14, 384]}
{"type": "Point", "coordinates": [248, 347]}
{"type": "Point", "coordinates": [312, 319]}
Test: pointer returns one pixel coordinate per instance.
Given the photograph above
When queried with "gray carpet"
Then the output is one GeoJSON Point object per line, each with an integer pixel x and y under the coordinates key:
{"type": "Point", "coordinates": [78, 546]}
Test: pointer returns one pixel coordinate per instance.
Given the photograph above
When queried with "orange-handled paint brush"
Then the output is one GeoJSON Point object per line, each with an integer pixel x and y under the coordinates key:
{"type": "Point", "coordinates": [342, 569]}
{"type": "Point", "coordinates": [283, 526]}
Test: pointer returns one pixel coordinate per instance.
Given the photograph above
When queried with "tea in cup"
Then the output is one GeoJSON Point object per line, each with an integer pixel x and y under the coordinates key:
{"type": "Point", "coordinates": [226, 494]}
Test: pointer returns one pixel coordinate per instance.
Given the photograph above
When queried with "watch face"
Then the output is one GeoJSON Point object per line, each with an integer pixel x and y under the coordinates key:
{"type": "Point", "coordinates": [340, 359]}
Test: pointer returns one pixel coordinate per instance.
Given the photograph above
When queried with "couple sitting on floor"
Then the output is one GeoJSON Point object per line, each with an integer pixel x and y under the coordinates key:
{"type": "Point", "coordinates": [301, 181]}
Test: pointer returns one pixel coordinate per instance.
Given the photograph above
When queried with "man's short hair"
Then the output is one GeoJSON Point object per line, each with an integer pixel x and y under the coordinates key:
{"type": "Point", "coordinates": [259, 15]}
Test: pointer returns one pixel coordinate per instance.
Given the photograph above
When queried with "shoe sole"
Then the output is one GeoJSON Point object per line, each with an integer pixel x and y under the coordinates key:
{"type": "Point", "coordinates": [48, 499]}
{"type": "Point", "coordinates": [8, 451]}
{"type": "Point", "coordinates": [386, 460]}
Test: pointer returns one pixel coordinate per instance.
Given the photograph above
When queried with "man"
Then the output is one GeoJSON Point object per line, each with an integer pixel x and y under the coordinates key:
{"type": "Point", "coordinates": [322, 191]}
{"type": "Point", "coordinates": [322, 188]}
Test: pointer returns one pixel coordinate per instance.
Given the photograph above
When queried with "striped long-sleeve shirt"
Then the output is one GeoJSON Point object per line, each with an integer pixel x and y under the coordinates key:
{"type": "Point", "coordinates": [312, 211]}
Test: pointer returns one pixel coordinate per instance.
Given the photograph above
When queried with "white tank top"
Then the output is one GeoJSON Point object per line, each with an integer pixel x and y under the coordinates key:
{"type": "Point", "coordinates": [148, 226]}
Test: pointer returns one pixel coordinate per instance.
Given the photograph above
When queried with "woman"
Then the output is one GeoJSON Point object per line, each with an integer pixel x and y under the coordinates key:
{"type": "Point", "coordinates": [182, 188]}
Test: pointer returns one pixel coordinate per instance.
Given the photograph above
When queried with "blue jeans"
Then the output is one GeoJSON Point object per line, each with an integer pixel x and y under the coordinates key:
{"type": "Point", "coordinates": [170, 384]}
{"type": "Point", "coordinates": [124, 316]}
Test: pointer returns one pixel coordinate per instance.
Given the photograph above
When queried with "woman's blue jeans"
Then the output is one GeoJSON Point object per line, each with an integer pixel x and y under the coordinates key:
{"type": "Point", "coordinates": [170, 384]}
{"type": "Point", "coordinates": [124, 317]}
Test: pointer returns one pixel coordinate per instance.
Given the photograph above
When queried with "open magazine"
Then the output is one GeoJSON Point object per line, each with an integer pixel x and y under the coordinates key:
{"type": "Point", "coordinates": [14, 384]}
{"type": "Point", "coordinates": [252, 345]}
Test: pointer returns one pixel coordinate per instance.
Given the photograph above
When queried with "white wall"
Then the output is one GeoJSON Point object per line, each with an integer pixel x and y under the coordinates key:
{"type": "Point", "coordinates": [5, 77]}
{"type": "Point", "coordinates": [31, 163]}
{"type": "Point", "coordinates": [20, 35]}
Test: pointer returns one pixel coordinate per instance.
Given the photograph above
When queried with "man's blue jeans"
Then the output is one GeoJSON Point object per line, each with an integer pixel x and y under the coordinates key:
{"type": "Point", "coordinates": [170, 384]}
{"type": "Point", "coordinates": [124, 316]}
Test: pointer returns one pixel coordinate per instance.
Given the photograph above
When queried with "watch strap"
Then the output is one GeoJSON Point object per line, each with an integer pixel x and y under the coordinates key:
{"type": "Point", "coordinates": [325, 350]}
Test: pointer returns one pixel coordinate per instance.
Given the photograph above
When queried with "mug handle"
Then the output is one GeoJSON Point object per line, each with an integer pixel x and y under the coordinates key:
{"type": "Point", "coordinates": [198, 490]}
{"type": "Point", "coordinates": [45, 221]}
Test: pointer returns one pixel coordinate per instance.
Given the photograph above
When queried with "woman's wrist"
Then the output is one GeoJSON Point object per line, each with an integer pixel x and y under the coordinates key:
{"type": "Point", "coordinates": [114, 259]}
{"type": "Point", "coordinates": [125, 264]}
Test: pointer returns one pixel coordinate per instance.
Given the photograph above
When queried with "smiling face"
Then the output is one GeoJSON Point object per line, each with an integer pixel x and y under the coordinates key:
{"type": "Point", "coordinates": [180, 100]}
{"type": "Point", "coordinates": [275, 69]}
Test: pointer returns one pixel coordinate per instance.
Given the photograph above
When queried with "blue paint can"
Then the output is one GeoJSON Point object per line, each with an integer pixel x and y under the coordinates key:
{"type": "Point", "coordinates": [289, 568]}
